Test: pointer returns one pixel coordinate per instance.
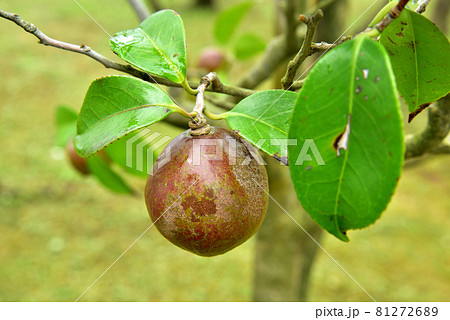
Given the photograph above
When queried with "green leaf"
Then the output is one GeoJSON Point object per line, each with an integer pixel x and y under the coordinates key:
{"type": "Point", "coordinates": [115, 106]}
{"type": "Point", "coordinates": [157, 46]}
{"type": "Point", "coordinates": [348, 127]}
{"type": "Point", "coordinates": [420, 57]}
{"type": "Point", "coordinates": [66, 125]}
{"type": "Point", "coordinates": [137, 151]}
{"type": "Point", "coordinates": [228, 21]}
{"type": "Point", "coordinates": [107, 177]}
{"type": "Point", "coordinates": [263, 119]}
{"type": "Point", "coordinates": [247, 45]}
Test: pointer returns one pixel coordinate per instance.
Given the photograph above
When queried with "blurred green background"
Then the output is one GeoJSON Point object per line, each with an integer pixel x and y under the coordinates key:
{"type": "Point", "coordinates": [60, 231]}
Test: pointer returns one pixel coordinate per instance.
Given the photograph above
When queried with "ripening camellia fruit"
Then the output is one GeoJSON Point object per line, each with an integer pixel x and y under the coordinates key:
{"type": "Point", "coordinates": [207, 194]}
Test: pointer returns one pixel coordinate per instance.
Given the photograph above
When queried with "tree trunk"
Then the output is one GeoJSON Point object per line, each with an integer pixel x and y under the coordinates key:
{"type": "Point", "coordinates": [284, 252]}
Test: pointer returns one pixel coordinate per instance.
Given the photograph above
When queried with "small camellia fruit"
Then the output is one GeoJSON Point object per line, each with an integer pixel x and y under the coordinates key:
{"type": "Point", "coordinates": [208, 194]}
{"type": "Point", "coordinates": [77, 161]}
{"type": "Point", "coordinates": [210, 59]}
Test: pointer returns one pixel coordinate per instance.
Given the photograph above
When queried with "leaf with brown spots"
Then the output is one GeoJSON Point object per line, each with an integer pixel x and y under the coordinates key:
{"type": "Point", "coordinates": [420, 57]}
{"type": "Point", "coordinates": [356, 128]}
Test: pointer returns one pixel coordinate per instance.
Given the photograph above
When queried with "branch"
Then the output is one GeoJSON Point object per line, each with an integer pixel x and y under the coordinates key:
{"type": "Point", "coordinates": [322, 46]}
{"type": "Point", "coordinates": [311, 22]}
{"type": "Point", "coordinates": [85, 50]}
{"type": "Point", "coordinates": [391, 16]}
{"type": "Point", "coordinates": [140, 9]}
{"type": "Point", "coordinates": [290, 11]}
{"type": "Point", "coordinates": [422, 6]}
{"type": "Point", "coordinates": [437, 129]}
{"type": "Point", "coordinates": [298, 84]}
{"type": "Point", "coordinates": [219, 87]}
{"type": "Point", "coordinates": [443, 148]}
{"type": "Point", "coordinates": [325, 46]}
{"type": "Point", "coordinates": [276, 53]}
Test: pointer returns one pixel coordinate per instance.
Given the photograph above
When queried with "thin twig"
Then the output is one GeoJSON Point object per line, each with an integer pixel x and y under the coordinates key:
{"type": "Point", "coordinates": [276, 53]}
{"type": "Point", "coordinates": [437, 129]}
{"type": "Point", "coordinates": [391, 16]}
{"type": "Point", "coordinates": [423, 6]}
{"type": "Point", "coordinates": [322, 46]}
{"type": "Point", "coordinates": [140, 9]}
{"type": "Point", "coordinates": [325, 46]}
{"type": "Point", "coordinates": [298, 84]}
{"type": "Point", "coordinates": [311, 22]}
{"type": "Point", "coordinates": [85, 50]}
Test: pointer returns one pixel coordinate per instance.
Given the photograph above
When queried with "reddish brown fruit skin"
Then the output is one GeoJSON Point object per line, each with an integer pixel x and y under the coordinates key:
{"type": "Point", "coordinates": [211, 59]}
{"type": "Point", "coordinates": [77, 162]}
{"type": "Point", "coordinates": [211, 208]}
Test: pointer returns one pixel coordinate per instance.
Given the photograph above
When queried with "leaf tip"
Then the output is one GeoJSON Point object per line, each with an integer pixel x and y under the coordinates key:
{"type": "Point", "coordinates": [413, 114]}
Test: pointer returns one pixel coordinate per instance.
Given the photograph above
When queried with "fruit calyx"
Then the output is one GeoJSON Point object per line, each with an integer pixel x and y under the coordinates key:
{"type": "Point", "coordinates": [199, 126]}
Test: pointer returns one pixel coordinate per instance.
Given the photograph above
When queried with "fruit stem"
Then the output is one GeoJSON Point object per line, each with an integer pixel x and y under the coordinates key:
{"type": "Point", "coordinates": [198, 124]}
{"type": "Point", "coordinates": [183, 112]}
{"type": "Point", "coordinates": [204, 83]}
{"type": "Point", "coordinates": [214, 116]}
{"type": "Point", "coordinates": [188, 88]}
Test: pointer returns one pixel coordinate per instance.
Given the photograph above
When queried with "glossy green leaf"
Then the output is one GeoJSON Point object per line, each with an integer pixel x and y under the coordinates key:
{"type": "Point", "coordinates": [263, 119]}
{"type": "Point", "coordinates": [247, 45]}
{"type": "Point", "coordinates": [228, 21]}
{"type": "Point", "coordinates": [157, 46]}
{"type": "Point", "coordinates": [420, 57]}
{"type": "Point", "coordinates": [348, 127]}
{"type": "Point", "coordinates": [115, 106]}
{"type": "Point", "coordinates": [66, 125]}
{"type": "Point", "coordinates": [106, 176]}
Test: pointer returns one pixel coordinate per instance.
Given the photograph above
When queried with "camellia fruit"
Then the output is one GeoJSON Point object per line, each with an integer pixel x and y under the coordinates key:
{"type": "Point", "coordinates": [211, 59]}
{"type": "Point", "coordinates": [207, 194]}
{"type": "Point", "coordinates": [77, 161]}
